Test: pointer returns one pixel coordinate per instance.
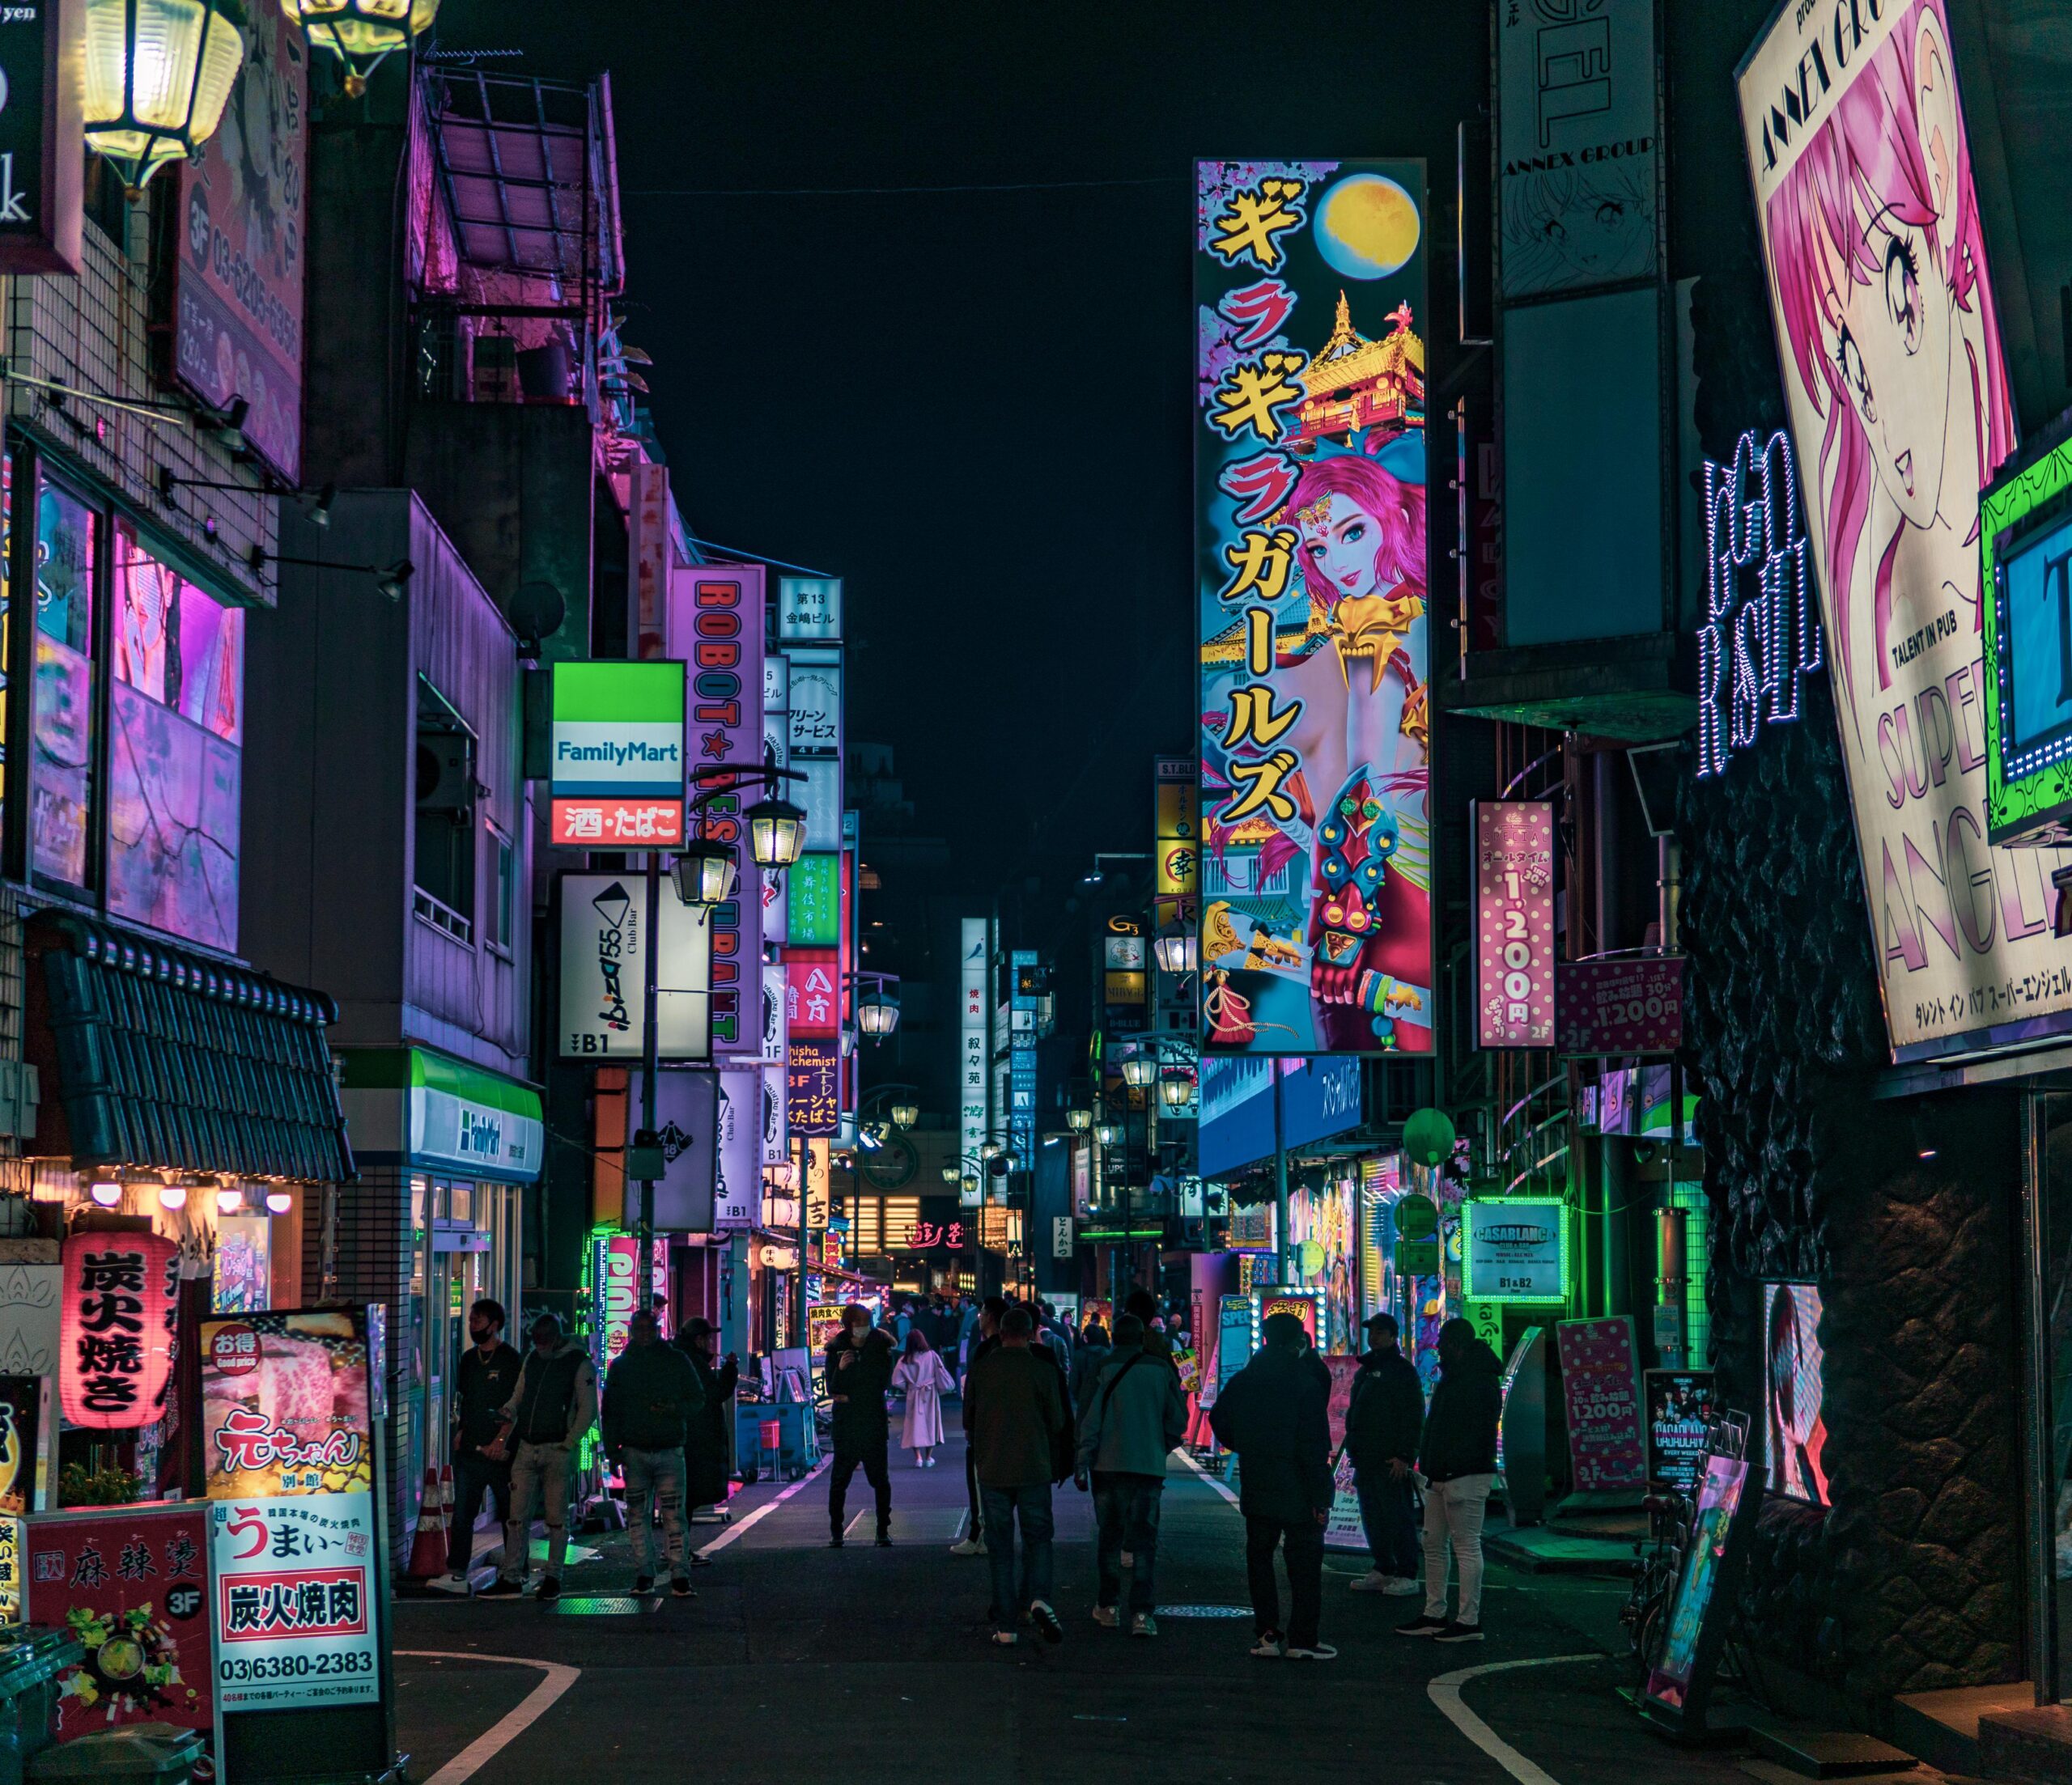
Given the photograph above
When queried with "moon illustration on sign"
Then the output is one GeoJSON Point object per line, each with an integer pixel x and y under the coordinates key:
{"type": "Point", "coordinates": [1367, 227]}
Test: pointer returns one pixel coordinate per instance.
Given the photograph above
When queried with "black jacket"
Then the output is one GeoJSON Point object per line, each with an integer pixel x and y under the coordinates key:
{"type": "Point", "coordinates": [481, 1388]}
{"type": "Point", "coordinates": [1272, 1414]}
{"type": "Point", "coordinates": [1460, 1429]}
{"type": "Point", "coordinates": [861, 1421]}
{"type": "Point", "coordinates": [1383, 1419]}
{"type": "Point", "coordinates": [705, 1448]}
{"type": "Point", "coordinates": [651, 1394]}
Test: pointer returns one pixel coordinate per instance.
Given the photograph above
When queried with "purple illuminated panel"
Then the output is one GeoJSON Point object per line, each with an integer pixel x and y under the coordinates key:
{"type": "Point", "coordinates": [1514, 924]}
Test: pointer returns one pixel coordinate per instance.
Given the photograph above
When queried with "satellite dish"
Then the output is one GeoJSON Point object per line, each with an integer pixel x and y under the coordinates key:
{"type": "Point", "coordinates": [536, 610]}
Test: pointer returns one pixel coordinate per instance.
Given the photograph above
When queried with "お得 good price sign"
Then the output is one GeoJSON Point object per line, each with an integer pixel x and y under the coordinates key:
{"type": "Point", "coordinates": [618, 761]}
{"type": "Point", "coordinates": [1514, 923]}
{"type": "Point", "coordinates": [294, 1601]}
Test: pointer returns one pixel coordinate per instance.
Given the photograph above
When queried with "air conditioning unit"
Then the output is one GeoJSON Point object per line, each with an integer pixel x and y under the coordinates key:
{"type": "Point", "coordinates": [446, 771]}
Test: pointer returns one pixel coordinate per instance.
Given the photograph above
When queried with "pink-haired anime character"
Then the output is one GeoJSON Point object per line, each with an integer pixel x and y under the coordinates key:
{"type": "Point", "coordinates": [1880, 270]}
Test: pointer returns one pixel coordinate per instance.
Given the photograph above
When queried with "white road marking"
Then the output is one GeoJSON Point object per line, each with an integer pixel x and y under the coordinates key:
{"type": "Point", "coordinates": [507, 1728]}
{"type": "Point", "coordinates": [743, 1526]}
{"type": "Point", "coordinates": [1446, 1694]}
{"type": "Point", "coordinates": [1214, 1481]}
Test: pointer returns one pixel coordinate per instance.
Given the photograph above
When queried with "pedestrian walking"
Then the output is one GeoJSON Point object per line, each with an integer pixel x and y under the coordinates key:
{"type": "Point", "coordinates": [980, 1337]}
{"type": "Point", "coordinates": [1014, 1410]}
{"type": "Point", "coordinates": [488, 1372]}
{"type": "Point", "coordinates": [1383, 1421]}
{"type": "Point", "coordinates": [1272, 1412]}
{"type": "Point", "coordinates": [652, 1394]}
{"type": "Point", "coordinates": [1092, 1351]}
{"type": "Point", "coordinates": [1456, 1464]}
{"type": "Point", "coordinates": [1144, 1305]}
{"type": "Point", "coordinates": [550, 1411]}
{"type": "Point", "coordinates": [902, 1324]}
{"type": "Point", "coordinates": [707, 1453]}
{"type": "Point", "coordinates": [859, 1371]}
{"type": "Point", "coordinates": [922, 1374]}
{"type": "Point", "coordinates": [1136, 1414]}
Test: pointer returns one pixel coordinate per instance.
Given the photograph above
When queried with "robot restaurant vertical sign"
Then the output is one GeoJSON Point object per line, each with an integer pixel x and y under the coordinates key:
{"type": "Point", "coordinates": [1762, 629]}
{"type": "Point", "coordinates": [1514, 923]}
{"type": "Point", "coordinates": [1310, 575]}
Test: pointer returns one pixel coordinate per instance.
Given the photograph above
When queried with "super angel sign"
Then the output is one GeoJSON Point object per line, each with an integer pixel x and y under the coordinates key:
{"type": "Point", "coordinates": [1316, 928]}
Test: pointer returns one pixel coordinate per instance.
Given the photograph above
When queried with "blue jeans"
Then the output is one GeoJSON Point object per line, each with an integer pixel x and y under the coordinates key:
{"type": "Point", "coordinates": [1001, 1505]}
{"type": "Point", "coordinates": [1390, 1523]}
{"type": "Point", "coordinates": [654, 1477]}
{"type": "Point", "coordinates": [1127, 1506]}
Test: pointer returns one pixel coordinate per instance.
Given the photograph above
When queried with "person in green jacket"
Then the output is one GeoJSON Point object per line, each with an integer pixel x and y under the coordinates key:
{"type": "Point", "coordinates": [651, 1392]}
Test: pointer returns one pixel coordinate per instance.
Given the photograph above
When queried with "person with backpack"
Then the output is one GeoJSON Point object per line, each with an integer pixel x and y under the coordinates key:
{"type": "Point", "coordinates": [1136, 1414]}
{"type": "Point", "coordinates": [1456, 1467]}
{"type": "Point", "coordinates": [652, 1394]}
{"type": "Point", "coordinates": [1014, 1408]}
{"type": "Point", "coordinates": [1272, 1414]}
{"type": "Point", "coordinates": [554, 1406]}
{"type": "Point", "coordinates": [1383, 1423]}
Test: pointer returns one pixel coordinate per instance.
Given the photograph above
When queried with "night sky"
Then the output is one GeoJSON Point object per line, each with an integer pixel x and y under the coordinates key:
{"type": "Point", "coordinates": [974, 405]}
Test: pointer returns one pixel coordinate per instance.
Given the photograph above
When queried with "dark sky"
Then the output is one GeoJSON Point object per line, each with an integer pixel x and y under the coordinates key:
{"type": "Point", "coordinates": [972, 405]}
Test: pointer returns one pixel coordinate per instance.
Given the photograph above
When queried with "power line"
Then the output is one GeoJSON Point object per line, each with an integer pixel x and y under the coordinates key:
{"type": "Point", "coordinates": [873, 192]}
{"type": "Point", "coordinates": [760, 557]}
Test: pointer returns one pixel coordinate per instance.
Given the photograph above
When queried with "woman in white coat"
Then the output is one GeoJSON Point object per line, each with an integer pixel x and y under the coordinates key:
{"type": "Point", "coordinates": [922, 1374]}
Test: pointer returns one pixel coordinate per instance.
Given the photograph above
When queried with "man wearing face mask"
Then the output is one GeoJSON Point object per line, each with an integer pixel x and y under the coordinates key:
{"type": "Point", "coordinates": [488, 1372]}
{"type": "Point", "coordinates": [859, 1371]}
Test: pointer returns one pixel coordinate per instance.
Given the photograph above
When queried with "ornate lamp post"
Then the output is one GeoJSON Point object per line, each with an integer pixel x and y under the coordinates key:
{"type": "Point", "coordinates": [158, 75]}
{"type": "Point", "coordinates": [361, 32]}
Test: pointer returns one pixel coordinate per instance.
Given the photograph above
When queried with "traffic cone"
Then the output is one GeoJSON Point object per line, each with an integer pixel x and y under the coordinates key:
{"type": "Point", "coordinates": [428, 1548]}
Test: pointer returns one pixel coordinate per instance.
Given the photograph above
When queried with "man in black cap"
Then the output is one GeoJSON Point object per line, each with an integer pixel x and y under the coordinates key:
{"type": "Point", "coordinates": [708, 1456]}
{"type": "Point", "coordinates": [1382, 1422]}
{"type": "Point", "coordinates": [1272, 1413]}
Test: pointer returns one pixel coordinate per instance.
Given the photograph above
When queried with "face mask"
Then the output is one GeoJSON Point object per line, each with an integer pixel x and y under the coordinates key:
{"type": "Point", "coordinates": [480, 1334]}
{"type": "Point", "coordinates": [858, 1334]}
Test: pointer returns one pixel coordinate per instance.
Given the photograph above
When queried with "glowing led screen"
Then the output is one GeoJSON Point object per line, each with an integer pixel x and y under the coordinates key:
{"type": "Point", "coordinates": [2025, 528]}
{"type": "Point", "coordinates": [1794, 1430]}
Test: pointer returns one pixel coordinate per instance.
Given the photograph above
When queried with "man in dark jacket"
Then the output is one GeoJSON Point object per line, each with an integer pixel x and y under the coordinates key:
{"type": "Point", "coordinates": [1382, 1421]}
{"type": "Point", "coordinates": [859, 1371]}
{"type": "Point", "coordinates": [651, 1394]}
{"type": "Point", "coordinates": [1456, 1463]}
{"type": "Point", "coordinates": [707, 1454]}
{"type": "Point", "coordinates": [1272, 1414]}
{"type": "Point", "coordinates": [1014, 1409]}
{"type": "Point", "coordinates": [487, 1374]}
{"type": "Point", "coordinates": [1135, 1416]}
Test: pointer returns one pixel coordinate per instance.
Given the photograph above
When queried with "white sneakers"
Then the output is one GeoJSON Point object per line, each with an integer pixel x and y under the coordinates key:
{"type": "Point", "coordinates": [1396, 1586]}
{"type": "Point", "coordinates": [968, 1546]}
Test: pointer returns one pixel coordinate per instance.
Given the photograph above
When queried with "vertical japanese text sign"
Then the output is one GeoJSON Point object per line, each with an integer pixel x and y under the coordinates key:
{"type": "Point", "coordinates": [1514, 923]}
{"type": "Point", "coordinates": [1310, 565]}
{"type": "Point", "coordinates": [971, 1069]}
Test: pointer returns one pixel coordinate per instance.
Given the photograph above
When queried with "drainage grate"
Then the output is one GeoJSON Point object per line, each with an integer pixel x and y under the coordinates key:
{"type": "Point", "coordinates": [602, 1606]}
{"type": "Point", "coordinates": [1204, 1611]}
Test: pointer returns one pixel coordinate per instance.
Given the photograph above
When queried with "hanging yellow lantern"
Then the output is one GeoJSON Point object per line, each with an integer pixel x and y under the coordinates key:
{"type": "Point", "coordinates": [360, 32]}
{"type": "Point", "coordinates": [158, 75]}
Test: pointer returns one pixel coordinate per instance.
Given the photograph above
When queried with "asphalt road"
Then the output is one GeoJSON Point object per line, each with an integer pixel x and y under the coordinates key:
{"type": "Point", "coordinates": [799, 1663]}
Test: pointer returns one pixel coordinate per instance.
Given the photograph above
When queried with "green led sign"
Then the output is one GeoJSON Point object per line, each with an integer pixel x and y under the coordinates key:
{"type": "Point", "coordinates": [2025, 540]}
{"type": "Point", "coordinates": [1514, 1249]}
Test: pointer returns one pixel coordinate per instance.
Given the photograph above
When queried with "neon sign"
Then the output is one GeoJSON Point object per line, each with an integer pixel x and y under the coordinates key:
{"type": "Point", "coordinates": [1762, 632]}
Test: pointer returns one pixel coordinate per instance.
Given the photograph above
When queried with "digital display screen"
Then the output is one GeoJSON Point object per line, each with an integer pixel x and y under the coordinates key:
{"type": "Point", "coordinates": [2039, 611]}
{"type": "Point", "coordinates": [1794, 1428]}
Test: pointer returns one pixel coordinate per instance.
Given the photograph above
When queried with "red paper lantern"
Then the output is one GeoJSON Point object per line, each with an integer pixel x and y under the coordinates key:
{"type": "Point", "coordinates": [121, 1305]}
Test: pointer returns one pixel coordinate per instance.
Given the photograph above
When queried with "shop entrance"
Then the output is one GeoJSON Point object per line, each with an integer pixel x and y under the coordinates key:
{"type": "Point", "coordinates": [2050, 1278]}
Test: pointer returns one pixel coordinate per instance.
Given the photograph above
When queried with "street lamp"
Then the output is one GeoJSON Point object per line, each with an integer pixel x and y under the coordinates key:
{"type": "Point", "coordinates": [1176, 1088]}
{"type": "Point", "coordinates": [158, 75]}
{"type": "Point", "coordinates": [1175, 951]}
{"type": "Point", "coordinates": [952, 1174]}
{"type": "Point", "coordinates": [1139, 1069]}
{"type": "Point", "coordinates": [1108, 1133]}
{"type": "Point", "coordinates": [905, 1115]}
{"type": "Point", "coordinates": [968, 1183]}
{"type": "Point", "coordinates": [989, 1150]}
{"type": "Point", "coordinates": [1079, 1121]}
{"type": "Point", "coordinates": [776, 832]}
{"type": "Point", "coordinates": [360, 32]}
{"type": "Point", "coordinates": [703, 875]}
{"type": "Point", "coordinates": [877, 1014]}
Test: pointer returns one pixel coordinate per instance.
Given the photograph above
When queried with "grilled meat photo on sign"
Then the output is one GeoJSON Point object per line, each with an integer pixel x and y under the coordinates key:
{"type": "Point", "coordinates": [285, 1404]}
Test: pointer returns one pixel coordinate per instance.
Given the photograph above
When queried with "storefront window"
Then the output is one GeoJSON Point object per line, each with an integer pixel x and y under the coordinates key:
{"type": "Point", "coordinates": [176, 723]}
{"type": "Point", "coordinates": [245, 1263]}
{"type": "Point", "coordinates": [63, 757]}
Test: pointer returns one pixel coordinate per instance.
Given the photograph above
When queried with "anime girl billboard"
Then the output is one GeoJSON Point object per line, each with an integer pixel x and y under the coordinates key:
{"type": "Point", "coordinates": [1900, 412]}
{"type": "Point", "coordinates": [1311, 503]}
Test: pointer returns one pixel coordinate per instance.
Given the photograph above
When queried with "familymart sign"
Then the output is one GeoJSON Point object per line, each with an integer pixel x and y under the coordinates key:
{"type": "Point", "coordinates": [618, 763]}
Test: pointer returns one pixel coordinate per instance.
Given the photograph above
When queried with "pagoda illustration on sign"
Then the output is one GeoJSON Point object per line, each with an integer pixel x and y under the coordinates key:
{"type": "Point", "coordinates": [1354, 384]}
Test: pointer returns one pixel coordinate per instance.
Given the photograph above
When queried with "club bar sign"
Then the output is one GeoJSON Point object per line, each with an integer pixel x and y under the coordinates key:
{"type": "Point", "coordinates": [1762, 630]}
{"type": "Point", "coordinates": [1514, 923]}
{"type": "Point", "coordinates": [618, 761]}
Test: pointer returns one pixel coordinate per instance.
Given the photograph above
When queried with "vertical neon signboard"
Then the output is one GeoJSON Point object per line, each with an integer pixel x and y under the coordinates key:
{"type": "Point", "coordinates": [1310, 486]}
{"type": "Point", "coordinates": [1514, 923]}
{"type": "Point", "coordinates": [972, 1056]}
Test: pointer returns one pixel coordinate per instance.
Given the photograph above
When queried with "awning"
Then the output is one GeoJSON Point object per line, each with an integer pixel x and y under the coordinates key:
{"type": "Point", "coordinates": [444, 1114]}
{"type": "Point", "coordinates": [169, 1061]}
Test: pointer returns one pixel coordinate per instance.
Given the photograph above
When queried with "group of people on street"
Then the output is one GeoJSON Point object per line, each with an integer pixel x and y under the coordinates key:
{"type": "Point", "coordinates": [519, 1423]}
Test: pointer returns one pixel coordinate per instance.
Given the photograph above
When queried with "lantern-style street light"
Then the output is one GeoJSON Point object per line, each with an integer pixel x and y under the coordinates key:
{"type": "Point", "coordinates": [703, 875]}
{"type": "Point", "coordinates": [1175, 951]}
{"type": "Point", "coordinates": [776, 832]}
{"type": "Point", "coordinates": [361, 32]}
{"type": "Point", "coordinates": [1139, 1069]}
{"type": "Point", "coordinates": [905, 1115]}
{"type": "Point", "coordinates": [951, 1174]}
{"type": "Point", "coordinates": [1079, 1121]}
{"type": "Point", "coordinates": [989, 1150]}
{"type": "Point", "coordinates": [158, 75]}
{"type": "Point", "coordinates": [1108, 1133]}
{"type": "Point", "coordinates": [1176, 1088]}
{"type": "Point", "coordinates": [878, 1015]}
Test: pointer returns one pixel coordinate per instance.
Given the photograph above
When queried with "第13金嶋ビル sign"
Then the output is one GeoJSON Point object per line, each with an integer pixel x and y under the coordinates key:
{"type": "Point", "coordinates": [1514, 923]}
{"type": "Point", "coordinates": [618, 761]}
